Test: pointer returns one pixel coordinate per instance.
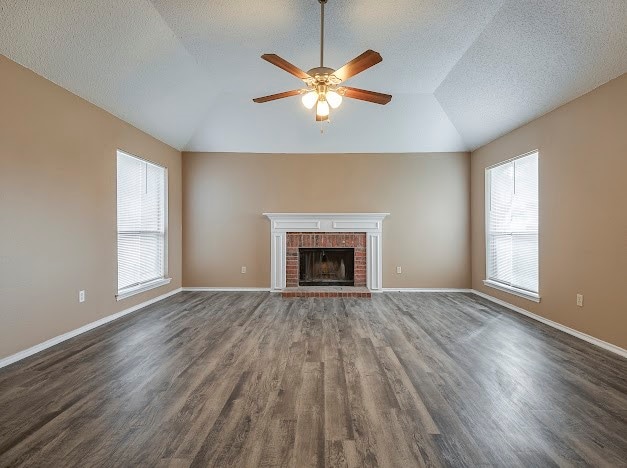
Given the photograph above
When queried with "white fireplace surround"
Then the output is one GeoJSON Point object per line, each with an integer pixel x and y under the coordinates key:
{"type": "Point", "coordinates": [370, 223]}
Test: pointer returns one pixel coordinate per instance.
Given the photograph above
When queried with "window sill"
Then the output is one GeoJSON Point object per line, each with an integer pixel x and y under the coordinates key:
{"type": "Point", "coordinates": [512, 290]}
{"type": "Point", "coordinates": [128, 292]}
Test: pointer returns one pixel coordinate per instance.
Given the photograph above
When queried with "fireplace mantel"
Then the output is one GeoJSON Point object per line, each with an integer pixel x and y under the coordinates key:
{"type": "Point", "coordinates": [370, 223]}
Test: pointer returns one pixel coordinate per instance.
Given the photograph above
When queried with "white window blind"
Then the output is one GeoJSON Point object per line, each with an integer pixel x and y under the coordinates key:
{"type": "Point", "coordinates": [141, 201]}
{"type": "Point", "coordinates": [512, 223]}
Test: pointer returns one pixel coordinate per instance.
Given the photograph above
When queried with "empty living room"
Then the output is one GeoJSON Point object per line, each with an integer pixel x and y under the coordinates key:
{"type": "Point", "coordinates": [313, 233]}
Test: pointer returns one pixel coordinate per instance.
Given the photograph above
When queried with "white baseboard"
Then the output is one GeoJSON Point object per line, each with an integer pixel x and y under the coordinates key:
{"type": "Point", "coordinates": [217, 289]}
{"type": "Point", "coordinates": [71, 334]}
{"type": "Point", "coordinates": [442, 290]}
{"type": "Point", "coordinates": [571, 331]}
{"type": "Point", "coordinates": [228, 289]}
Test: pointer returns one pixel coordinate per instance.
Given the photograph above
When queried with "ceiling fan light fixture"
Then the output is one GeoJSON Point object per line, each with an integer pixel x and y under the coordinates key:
{"type": "Point", "coordinates": [323, 85]}
{"type": "Point", "coordinates": [309, 99]}
{"type": "Point", "coordinates": [334, 99]}
{"type": "Point", "coordinates": [323, 108]}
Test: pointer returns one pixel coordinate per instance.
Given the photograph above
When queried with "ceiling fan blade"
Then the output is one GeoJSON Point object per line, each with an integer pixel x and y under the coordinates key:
{"type": "Point", "coordinates": [274, 97]}
{"type": "Point", "coordinates": [358, 64]}
{"type": "Point", "coordinates": [285, 65]}
{"type": "Point", "coordinates": [321, 118]}
{"type": "Point", "coordinates": [364, 95]}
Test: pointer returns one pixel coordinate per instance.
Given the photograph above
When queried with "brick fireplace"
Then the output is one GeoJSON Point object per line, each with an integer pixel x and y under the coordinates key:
{"type": "Point", "coordinates": [296, 241]}
{"type": "Point", "coordinates": [331, 236]}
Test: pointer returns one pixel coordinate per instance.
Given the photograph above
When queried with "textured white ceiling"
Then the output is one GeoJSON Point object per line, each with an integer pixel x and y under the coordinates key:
{"type": "Point", "coordinates": [185, 71]}
{"type": "Point", "coordinates": [286, 126]}
{"type": "Point", "coordinates": [533, 56]}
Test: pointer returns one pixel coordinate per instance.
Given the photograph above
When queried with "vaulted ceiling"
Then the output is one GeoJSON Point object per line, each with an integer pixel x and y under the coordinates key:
{"type": "Point", "coordinates": [185, 71]}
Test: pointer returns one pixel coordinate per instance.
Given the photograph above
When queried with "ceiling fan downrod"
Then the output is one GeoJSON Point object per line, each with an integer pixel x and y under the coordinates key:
{"type": "Point", "coordinates": [321, 71]}
{"type": "Point", "coordinates": [322, 3]}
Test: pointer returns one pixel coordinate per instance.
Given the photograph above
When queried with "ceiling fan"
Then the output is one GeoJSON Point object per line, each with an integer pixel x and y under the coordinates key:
{"type": "Point", "coordinates": [323, 85]}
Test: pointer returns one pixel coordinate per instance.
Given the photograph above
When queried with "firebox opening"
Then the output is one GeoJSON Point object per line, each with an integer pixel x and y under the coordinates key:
{"type": "Point", "coordinates": [326, 267]}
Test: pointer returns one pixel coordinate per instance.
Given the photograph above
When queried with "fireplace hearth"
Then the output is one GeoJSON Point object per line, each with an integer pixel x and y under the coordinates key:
{"type": "Point", "coordinates": [326, 266]}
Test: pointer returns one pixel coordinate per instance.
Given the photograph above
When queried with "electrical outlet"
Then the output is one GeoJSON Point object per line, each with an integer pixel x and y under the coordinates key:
{"type": "Point", "coordinates": [243, 269]}
{"type": "Point", "coordinates": [580, 300]}
{"type": "Point", "coordinates": [81, 296]}
{"type": "Point", "coordinates": [399, 270]}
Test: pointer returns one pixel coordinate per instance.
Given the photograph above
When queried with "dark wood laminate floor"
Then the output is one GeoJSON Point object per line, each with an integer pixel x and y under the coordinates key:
{"type": "Point", "coordinates": [251, 379]}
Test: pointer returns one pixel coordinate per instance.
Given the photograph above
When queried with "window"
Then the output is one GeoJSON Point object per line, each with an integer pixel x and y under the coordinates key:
{"type": "Point", "coordinates": [512, 226]}
{"type": "Point", "coordinates": [141, 204]}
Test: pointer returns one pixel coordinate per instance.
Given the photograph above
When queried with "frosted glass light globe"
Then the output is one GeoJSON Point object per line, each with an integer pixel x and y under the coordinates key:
{"type": "Point", "coordinates": [309, 99]}
{"type": "Point", "coordinates": [323, 108]}
{"type": "Point", "coordinates": [334, 99]}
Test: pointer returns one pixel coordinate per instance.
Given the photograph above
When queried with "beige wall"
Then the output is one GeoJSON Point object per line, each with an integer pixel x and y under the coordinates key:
{"type": "Point", "coordinates": [427, 195]}
{"type": "Point", "coordinates": [58, 212]}
{"type": "Point", "coordinates": [583, 211]}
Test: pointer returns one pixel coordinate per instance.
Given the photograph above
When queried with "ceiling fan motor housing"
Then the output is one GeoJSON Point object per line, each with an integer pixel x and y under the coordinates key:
{"type": "Point", "coordinates": [322, 78]}
{"type": "Point", "coordinates": [320, 71]}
